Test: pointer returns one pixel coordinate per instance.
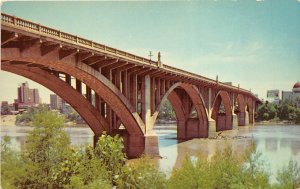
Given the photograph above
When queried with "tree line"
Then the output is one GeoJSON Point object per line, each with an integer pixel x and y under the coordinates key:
{"type": "Point", "coordinates": [278, 112]}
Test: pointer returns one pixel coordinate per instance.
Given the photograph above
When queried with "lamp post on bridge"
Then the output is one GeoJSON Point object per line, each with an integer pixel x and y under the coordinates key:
{"type": "Point", "coordinates": [150, 55]}
{"type": "Point", "coordinates": [159, 60]}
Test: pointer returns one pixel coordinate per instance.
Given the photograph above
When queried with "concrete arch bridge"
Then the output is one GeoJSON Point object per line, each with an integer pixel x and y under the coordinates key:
{"type": "Point", "coordinates": [119, 92]}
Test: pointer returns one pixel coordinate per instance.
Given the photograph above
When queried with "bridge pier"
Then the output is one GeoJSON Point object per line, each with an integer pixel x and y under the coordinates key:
{"type": "Point", "coordinates": [181, 129]}
{"type": "Point", "coordinates": [247, 118]}
{"type": "Point", "coordinates": [241, 118]}
{"type": "Point", "coordinates": [212, 128]}
{"type": "Point", "coordinates": [235, 122]}
{"type": "Point", "coordinates": [152, 145]}
{"type": "Point", "coordinates": [134, 145]}
{"type": "Point", "coordinates": [151, 138]}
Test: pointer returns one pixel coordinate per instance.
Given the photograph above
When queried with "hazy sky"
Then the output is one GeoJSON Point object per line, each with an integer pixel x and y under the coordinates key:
{"type": "Point", "coordinates": [252, 43]}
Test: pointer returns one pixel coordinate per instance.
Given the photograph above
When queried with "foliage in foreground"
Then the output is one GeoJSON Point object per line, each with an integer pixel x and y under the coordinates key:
{"type": "Point", "coordinates": [48, 161]}
{"type": "Point", "coordinates": [224, 170]}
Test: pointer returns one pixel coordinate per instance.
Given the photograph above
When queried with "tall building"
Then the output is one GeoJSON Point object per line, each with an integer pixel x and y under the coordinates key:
{"type": "Point", "coordinates": [56, 103]}
{"type": "Point", "coordinates": [273, 96]}
{"type": "Point", "coordinates": [293, 96]}
{"type": "Point", "coordinates": [28, 96]}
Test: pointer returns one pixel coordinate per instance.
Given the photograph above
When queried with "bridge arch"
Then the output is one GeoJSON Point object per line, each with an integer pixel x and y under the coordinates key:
{"type": "Point", "coordinates": [187, 127]}
{"type": "Point", "coordinates": [222, 112]}
{"type": "Point", "coordinates": [93, 118]}
{"type": "Point", "coordinates": [135, 128]}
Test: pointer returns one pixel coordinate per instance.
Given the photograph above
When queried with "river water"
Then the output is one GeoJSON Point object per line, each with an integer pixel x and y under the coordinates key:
{"type": "Point", "coordinates": [277, 144]}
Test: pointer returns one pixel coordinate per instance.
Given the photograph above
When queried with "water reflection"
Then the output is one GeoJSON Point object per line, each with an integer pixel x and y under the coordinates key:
{"type": "Point", "coordinates": [277, 144]}
{"type": "Point", "coordinates": [295, 146]}
{"type": "Point", "coordinates": [271, 144]}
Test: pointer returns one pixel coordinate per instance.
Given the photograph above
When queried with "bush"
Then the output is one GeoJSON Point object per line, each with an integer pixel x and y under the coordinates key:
{"type": "Point", "coordinates": [224, 170]}
{"type": "Point", "coordinates": [289, 177]}
{"type": "Point", "coordinates": [141, 174]}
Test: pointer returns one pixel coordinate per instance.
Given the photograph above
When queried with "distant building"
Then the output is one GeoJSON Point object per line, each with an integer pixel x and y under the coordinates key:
{"type": "Point", "coordinates": [7, 109]}
{"type": "Point", "coordinates": [56, 103]}
{"type": "Point", "coordinates": [27, 96]}
{"type": "Point", "coordinates": [273, 96]}
{"type": "Point", "coordinates": [4, 108]}
{"type": "Point", "coordinates": [293, 96]}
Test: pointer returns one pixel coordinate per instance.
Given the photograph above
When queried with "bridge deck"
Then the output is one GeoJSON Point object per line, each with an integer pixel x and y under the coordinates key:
{"type": "Point", "coordinates": [18, 25]}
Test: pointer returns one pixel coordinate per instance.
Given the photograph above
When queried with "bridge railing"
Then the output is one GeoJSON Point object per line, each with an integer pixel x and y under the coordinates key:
{"type": "Point", "coordinates": [50, 32]}
{"type": "Point", "coordinates": [47, 31]}
{"type": "Point", "coordinates": [205, 79]}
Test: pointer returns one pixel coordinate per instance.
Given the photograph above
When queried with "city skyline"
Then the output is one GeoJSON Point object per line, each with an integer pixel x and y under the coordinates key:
{"type": "Point", "coordinates": [254, 44]}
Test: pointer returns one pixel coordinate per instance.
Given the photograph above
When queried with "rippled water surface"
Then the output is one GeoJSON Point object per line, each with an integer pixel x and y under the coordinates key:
{"type": "Point", "coordinates": [278, 144]}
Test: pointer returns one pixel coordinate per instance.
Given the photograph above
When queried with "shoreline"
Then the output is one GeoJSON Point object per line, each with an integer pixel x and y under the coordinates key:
{"type": "Point", "coordinates": [9, 120]}
{"type": "Point", "coordinates": [267, 123]}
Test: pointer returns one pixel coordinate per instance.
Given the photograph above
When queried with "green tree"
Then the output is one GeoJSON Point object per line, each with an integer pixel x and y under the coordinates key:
{"type": "Point", "coordinates": [82, 170]}
{"type": "Point", "coordinates": [12, 167]}
{"type": "Point", "coordinates": [286, 111]}
{"type": "Point", "coordinates": [27, 117]}
{"type": "Point", "coordinates": [271, 110]}
{"type": "Point", "coordinates": [167, 112]}
{"type": "Point", "coordinates": [297, 118]}
{"type": "Point", "coordinates": [109, 150]}
{"type": "Point", "coordinates": [47, 146]}
{"type": "Point", "coordinates": [266, 111]}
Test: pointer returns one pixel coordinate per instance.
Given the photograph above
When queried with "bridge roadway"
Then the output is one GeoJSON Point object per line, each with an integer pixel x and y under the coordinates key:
{"type": "Point", "coordinates": [119, 92]}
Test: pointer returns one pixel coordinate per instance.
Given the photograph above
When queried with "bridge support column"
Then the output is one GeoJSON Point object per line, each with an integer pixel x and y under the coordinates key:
{"type": "Point", "coordinates": [251, 118]}
{"type": "Point", "coordinates": [235, 122]}
{"type": "Point", "coordinates": [95, 139]}
{"type": "Point", "coordinates": [181, 129]}
{"type": "Point", "coordinates": [151, 145]}
{"type": "Point", "coordinates": [134, 145]}
{"type": "Point", "coordinates": [253, 113]}
{"type": "Point", "coordinates": [241, 118]}
{"type": "Point", "coordinates": [151, 138]}
{"type": "Point", "coordinates": [247, 118]}
{"type": "Point", "coordinates": [212, 125]}
{"type": "Point", "coordinates": [212, 128]}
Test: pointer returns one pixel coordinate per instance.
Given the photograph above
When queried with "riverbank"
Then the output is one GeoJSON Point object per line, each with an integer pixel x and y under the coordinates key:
{"type": "Point", "coordinates": [10, 120]}
{"type": "Point", "coordinates": [284, 122]}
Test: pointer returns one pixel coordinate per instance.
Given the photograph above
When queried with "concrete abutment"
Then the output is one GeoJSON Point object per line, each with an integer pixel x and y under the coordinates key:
{"type": "Point", "coordinates": [212, 133]}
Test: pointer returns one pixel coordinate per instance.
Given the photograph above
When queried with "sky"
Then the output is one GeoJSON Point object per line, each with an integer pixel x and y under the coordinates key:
{"type": "Point", "coordinates": [254, 43]}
